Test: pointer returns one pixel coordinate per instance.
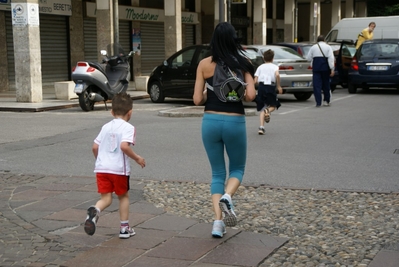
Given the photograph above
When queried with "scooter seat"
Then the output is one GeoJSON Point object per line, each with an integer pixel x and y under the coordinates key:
{"type": "Point", "coordinates": [98, 66]}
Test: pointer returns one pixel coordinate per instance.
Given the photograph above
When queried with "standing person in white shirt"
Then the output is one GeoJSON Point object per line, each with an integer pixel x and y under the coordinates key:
{"type": "Point", "coordinates": [112, 150]}
{"type": "Point", "coordinates": [267, 77]}
{"type": "Point", "coordinates": [321, 57]}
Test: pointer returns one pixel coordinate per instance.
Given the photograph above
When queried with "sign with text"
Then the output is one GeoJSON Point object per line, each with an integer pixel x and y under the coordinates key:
{"type": "Point", "coordinates": [143, 14]}
{"type": "Point", "coordinates": [52, 7]}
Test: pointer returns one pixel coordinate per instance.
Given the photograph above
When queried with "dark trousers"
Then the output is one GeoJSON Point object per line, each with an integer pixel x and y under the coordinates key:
{"type": "Point", "coordinates": [321, 82]}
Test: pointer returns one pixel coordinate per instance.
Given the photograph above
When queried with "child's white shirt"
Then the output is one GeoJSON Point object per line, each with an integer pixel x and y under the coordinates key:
{"type": "Point", "coordinates": [110, 158]}
{"type": "Point", "coordinates": [266, 73]}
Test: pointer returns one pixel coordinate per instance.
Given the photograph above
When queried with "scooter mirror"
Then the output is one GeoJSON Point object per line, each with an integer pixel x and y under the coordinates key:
{"type": "Point", "coordinates": [103, 52]}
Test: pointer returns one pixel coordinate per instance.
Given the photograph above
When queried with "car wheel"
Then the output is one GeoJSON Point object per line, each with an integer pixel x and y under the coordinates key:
{"type": "Point", "coordinates": [333, 87]}
{"type": "Point", "coordinates": [156, 93]}
{"type": "Point", "coordinates": [352, 89]}
{"type": "Point", "coordinates": [303, 96]}
{"type": "Point", "coordinates": [84, 102]}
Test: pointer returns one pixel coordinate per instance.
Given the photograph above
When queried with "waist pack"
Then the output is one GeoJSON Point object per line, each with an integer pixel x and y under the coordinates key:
{"type": "Point", "coordinates": [227, 85]}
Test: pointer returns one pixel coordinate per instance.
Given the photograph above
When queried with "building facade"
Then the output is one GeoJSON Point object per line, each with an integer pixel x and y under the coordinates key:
{"type": "Point", "coordinates": [45, 38]}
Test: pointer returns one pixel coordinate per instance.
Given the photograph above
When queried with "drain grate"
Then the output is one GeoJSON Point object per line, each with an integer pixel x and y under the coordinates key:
{"type": "Point", "coordinates": [396, 151]}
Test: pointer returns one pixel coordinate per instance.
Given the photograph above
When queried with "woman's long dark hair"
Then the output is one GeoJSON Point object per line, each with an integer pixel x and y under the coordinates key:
{"type": "Point", "coordinates": [226, 47]}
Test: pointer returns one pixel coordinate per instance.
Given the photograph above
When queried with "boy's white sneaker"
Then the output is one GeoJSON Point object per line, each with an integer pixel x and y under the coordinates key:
{"type": "Point", "coordinates": [126, 232]}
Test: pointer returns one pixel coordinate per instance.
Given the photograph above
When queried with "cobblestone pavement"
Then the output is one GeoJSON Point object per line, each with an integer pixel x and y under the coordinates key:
{"type": "Point", "coordinates": [41, 220]}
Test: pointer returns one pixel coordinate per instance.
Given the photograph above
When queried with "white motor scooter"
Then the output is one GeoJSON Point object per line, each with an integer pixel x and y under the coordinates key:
{"type": "Point", "coordinates": [95, 82]}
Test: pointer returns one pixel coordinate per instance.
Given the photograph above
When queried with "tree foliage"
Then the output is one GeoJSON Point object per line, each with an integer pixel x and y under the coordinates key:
{"type": "Point", "coordinates": [382, 8]}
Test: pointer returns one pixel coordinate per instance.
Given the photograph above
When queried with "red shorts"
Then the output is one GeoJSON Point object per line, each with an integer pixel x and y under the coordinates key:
{"type": "Point", "coordinates": [109, 183]}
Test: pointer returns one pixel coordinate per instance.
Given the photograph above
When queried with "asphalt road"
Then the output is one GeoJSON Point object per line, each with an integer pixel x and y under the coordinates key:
{"type": "Point", "coordinates": [352, 145]}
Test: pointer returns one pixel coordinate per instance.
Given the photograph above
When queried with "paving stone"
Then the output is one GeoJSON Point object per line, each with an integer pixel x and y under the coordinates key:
{"type": "Point", "coordinates": [51, 225]}
{"type": "Point", "coordinates": [385, 258]}
{"type": "Point", "coordinates": [149, 208]}
{"type": "Point", "coordinates": [158, 262]}
{"type": "Point", "coordinates": [35, 194]}
{"type": "Point", "coordinates": [203, 230]}
{"type": "Point", "coordinates": [144, 239]}
{"type": "Point", "coordinates": [168, 222]}
{"type": "Point", "coordinates": [256, 239]}
{"type": "Point", "coordinates": [74, 215]}
{"type": "Point", "coordinates": [184, 248]}
{"type": "Point", "coordinates": [101, 256]}
{"type": "Point", "coordinates": [236, 254]}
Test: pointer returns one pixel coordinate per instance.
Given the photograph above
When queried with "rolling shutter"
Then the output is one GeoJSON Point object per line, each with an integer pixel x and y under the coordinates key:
{"type": "Point", "coordinates": [10, 52]}
{"type": "Point", "coordinates": [189, 38]}
{"type": "Point", "coordinates": [152, 46]}
{"type": "Point", "coordinates": [90, 40]}
{"type": "Point", "coordinates": [54, 49]}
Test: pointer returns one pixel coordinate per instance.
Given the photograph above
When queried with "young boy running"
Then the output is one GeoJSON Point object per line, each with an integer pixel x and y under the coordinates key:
{"type": "Point", "coordinates": [112, 150]}
{"type": "Point", "coordinates": [268, 78]}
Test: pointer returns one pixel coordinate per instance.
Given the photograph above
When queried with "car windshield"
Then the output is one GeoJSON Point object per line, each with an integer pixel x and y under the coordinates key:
{"type": "Point", "coordinates": [284, 53]}
{"type": "Point", "coordinates": [386, 50]}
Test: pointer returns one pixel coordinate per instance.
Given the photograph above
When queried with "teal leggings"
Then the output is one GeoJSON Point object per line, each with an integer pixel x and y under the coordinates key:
{"type": "Point", "coordinates": [220, 132]}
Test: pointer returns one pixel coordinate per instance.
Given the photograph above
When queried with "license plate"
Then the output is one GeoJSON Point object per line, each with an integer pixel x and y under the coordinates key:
{"type": "Point", "coordinates": [377, 68]}
{"type": "Point", "coordinates": [300, 84]}
{"type": "Point", "coordinates": [78, 88]}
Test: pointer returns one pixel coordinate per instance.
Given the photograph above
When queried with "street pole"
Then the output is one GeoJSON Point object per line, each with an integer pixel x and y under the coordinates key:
{"type": "Point", "coordinates": [116, 21]}
{"type": "Point", "coordinates": [296, 22]}
{"type": "Point", "coordinates": [221, 10]}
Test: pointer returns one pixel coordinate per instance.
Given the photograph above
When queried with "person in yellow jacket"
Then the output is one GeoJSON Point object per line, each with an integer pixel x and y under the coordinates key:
{"type": "Point", "coordinates": [366, 34]}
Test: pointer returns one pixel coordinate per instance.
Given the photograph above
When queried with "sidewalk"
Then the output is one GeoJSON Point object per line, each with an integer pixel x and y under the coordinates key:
{"type": "Point", "coordinates": [50, 102]}
{"type": "Point", "coordinates": [42, 219]}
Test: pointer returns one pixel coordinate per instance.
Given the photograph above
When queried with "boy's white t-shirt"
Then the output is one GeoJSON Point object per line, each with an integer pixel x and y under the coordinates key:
{"type": "Point", "coordinates": [110, 158]}
{"type": "Point", "coordinates": [266, 73]}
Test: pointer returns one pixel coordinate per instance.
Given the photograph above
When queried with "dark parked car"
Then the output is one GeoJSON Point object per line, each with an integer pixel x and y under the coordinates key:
{"type": "Point", "coordinates": [375, 64]}
{"type": "Point", "coordinates": [176, 76]}
{"type": "Point", "coordinates": [343, 53]}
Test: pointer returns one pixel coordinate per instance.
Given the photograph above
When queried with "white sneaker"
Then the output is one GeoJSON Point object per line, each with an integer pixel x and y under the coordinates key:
{"type": "Point", "coordinates": [326, 104]}
{"type": "Point", "coordinates": [226, 205]}
{"type": "Point", "coordinates": [218, 229]}
{"type": "Point", "coordinates": [126, 232]}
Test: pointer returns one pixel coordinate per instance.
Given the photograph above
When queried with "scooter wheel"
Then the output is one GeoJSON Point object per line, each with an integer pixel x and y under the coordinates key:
{"type": "Point", "coordinates": [84, 102]}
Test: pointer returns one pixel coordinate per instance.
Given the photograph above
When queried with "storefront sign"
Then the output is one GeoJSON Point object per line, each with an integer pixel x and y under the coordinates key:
{"type": "Point", "coordinates": [143, 14]}
{"type": "Point", "coordinates": [51, 7]}
{"type": "Point", "coordinates": [25, 14]}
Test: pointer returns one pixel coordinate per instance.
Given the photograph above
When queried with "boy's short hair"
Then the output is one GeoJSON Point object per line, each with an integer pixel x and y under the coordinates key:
{"type": "Point", "coordinates": [121, 104]}
{"type": "Point", "coordinates": [268, 55]}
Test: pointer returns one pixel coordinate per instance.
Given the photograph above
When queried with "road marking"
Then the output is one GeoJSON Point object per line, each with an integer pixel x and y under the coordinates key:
{"type": "Point", "coordinates": [333, 100]}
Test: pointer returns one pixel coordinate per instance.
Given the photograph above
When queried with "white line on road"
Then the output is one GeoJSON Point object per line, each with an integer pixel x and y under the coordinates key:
{"type": "Point", "coordinates": [334, 100]}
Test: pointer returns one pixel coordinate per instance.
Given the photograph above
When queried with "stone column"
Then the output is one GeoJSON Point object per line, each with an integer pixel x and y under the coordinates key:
{"type": "Point", "coordinates": [217, 19]}
{"type": "Point", "coordinates": [314, 29]}
{"type": "Point", "coordinates": [349, 9]}
{"type": "Point", "coordinates": [335, 13]}
{"type": "Point", "coordinates": [259, 19]}
{"type": "Point", "coordinates": [4, 84]}
{"type": "Point", "coordinates": [105, 25]}
{"type": "Point", "coordinates": [76, 32]}
{"type": "Point", "coordinates": [173, 29]}
{"type": "Point", "coordinates": [289, 20]}
{"type": "Point", "coordinates": [27, 54]}
{"type": "Point", "coordinates": [249, 29]}
{"type": "Point", "coordinates": [198, 27]}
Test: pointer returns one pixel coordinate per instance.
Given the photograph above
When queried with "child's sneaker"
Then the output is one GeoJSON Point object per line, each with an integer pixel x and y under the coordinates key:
{"type": "Point", "coordinates": [261, 131]}
{"type": "Point", "coordinates": [226, 205]}
{"type": "Point", "coordinates": [218, 229]}
{"type": "Point", "coordinates": [126, 232]}
{"type": "Point", "coordinates": [91, 220]}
